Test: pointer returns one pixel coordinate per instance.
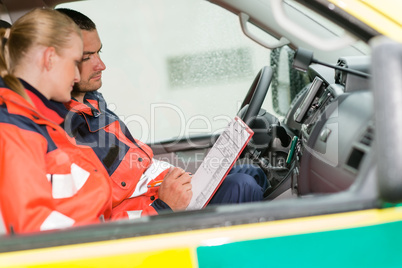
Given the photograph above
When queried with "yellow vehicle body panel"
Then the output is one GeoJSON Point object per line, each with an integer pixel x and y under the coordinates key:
{"type": "Point", "coordinates": [383, 16]}
{"type": "Point", "coordinates": [180, 249]}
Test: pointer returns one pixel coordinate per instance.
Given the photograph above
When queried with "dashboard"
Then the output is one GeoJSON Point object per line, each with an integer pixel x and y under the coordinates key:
{"type": "Point", "coordinates": [334, 123]}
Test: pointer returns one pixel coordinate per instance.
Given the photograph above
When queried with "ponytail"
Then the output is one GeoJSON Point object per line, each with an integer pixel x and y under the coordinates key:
{"type": "Point", "coordinates": [9, 79]}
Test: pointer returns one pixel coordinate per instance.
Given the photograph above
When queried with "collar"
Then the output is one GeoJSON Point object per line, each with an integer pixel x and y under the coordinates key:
{"type": "Point", "coordinates": [94, 104]}
{"type": "Point", "coordinates": [94, 110]}
{"type": "Point", "coordinates": [54, 111]}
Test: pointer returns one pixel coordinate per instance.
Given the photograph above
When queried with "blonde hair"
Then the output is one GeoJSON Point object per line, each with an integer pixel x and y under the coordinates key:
{"type": "Point", "coordinates": [39, 27]}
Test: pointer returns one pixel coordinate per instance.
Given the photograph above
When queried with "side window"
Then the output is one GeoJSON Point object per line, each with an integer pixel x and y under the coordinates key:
{"type": "Point", "coordinates": [286, 81]}
{"type": "Point", "coordinates": [177, 67]}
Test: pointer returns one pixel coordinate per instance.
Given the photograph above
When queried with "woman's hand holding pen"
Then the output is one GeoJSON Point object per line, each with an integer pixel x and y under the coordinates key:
{"type": "Point", "coordinates": [175, 189]}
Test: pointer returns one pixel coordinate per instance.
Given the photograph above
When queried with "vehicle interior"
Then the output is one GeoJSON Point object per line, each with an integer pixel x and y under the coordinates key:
{"type": "Point", "coordinates": [317, 150]}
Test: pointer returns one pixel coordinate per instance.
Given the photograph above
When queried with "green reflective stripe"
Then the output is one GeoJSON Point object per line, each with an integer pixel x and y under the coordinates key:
{"type": "Point", "coordinates": [371, 246]}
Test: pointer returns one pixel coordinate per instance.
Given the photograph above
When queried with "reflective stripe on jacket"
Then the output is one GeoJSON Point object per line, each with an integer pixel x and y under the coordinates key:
{"type": "Point", "coordinates": [47, 181]}
{"type": "Point", "coordinates": [128, 161]}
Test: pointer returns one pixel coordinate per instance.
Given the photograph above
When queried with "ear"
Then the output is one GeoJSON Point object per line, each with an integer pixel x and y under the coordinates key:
{"type": "Point", "coordinates": [49, 58]}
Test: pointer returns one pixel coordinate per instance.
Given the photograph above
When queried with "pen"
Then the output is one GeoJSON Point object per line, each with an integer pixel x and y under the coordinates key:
{"type": "Point", "coordinates": [155, 184]}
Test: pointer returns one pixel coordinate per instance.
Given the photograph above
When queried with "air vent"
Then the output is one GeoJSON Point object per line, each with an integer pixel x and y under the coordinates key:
{"type": "Point", "coordinates": [340, 77]}
{"type": "Point", "coordinates": [368, 136]}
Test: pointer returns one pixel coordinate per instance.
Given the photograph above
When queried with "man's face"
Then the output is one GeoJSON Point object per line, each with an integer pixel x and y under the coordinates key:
{"type": "Point", "coordinates": [91, 66]}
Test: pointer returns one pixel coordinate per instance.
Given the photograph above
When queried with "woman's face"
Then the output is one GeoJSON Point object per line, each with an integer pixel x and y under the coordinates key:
{"type": "Point", "coordinates": [65, 71]}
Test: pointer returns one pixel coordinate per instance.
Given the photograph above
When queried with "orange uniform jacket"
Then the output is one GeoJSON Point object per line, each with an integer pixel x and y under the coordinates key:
{"type": "Point", "coordinates": [46, 180]}
{"type": "Point", "coordinates": [133, 172]}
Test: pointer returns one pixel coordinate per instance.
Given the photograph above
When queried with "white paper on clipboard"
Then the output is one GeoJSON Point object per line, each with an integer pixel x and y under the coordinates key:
{"type": "Point", "coordinates": [218, 162]}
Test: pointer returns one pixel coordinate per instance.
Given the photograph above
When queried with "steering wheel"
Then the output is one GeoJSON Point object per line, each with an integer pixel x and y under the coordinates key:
{"type": "Point", "coordinates": [256, 95]}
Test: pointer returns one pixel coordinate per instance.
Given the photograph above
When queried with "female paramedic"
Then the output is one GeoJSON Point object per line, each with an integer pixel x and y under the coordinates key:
{"type": "Point", "coordinates": [46, 180]}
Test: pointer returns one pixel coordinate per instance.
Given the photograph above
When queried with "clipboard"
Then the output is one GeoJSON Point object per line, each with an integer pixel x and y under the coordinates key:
{"type": "Point", "coordinates": [218, 162]}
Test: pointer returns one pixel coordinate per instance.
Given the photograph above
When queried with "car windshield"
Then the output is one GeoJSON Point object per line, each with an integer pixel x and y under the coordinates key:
{"type": "Point", "coordinates": [182, 67]}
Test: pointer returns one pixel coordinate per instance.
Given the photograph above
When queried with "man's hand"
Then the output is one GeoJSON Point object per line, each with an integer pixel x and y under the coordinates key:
{"type": "Point", "coordinates": [175, 189]}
